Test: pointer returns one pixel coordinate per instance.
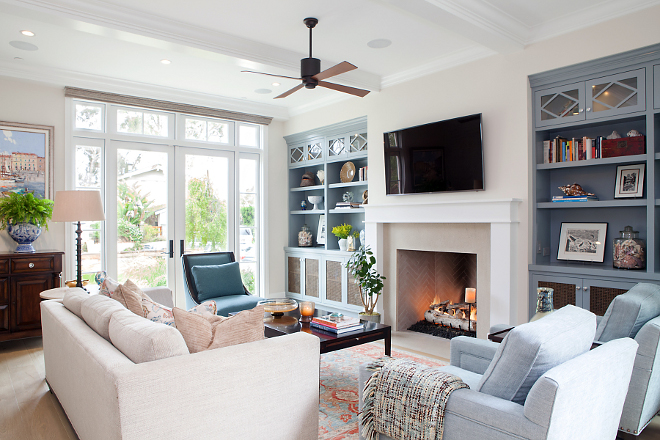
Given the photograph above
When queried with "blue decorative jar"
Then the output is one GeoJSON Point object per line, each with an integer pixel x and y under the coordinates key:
{"type": "Point", "coordinates": [303, 205]}
{"type": "Point", "coordinates": [24, 234]}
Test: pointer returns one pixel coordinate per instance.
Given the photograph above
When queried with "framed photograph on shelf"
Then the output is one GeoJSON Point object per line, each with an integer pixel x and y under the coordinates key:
{"type": "Point", "coordinates": [582, 242]}
{"type": "Point", "coordinates": [320, 234]}
{"type": "Point", "coordinates": [629, 181]}
{"type": "Point", "coordinates": [26, 159]}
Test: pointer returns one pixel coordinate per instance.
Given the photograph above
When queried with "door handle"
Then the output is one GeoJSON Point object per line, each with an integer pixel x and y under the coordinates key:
{"type": "Point", "coordinates": [171, 252]}
{"type": "Point", "coordinates": [182, 247]}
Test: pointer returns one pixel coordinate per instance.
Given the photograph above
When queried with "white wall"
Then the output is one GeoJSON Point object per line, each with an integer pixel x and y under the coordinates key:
{"type": "Point", "coordinates": [35, 103]}
{"type": "Point", "coordinates": [498, 88]}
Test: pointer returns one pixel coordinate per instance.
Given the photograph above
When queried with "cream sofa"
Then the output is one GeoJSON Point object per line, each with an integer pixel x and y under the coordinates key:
{"type": "Point", "coordinates": [264, 389]}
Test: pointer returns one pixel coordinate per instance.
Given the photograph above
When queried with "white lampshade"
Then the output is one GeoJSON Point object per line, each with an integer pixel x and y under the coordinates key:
{"type": "Point", "coordinates": [77, 206]}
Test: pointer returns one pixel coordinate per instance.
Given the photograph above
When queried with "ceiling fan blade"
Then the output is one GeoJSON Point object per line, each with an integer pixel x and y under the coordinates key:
{"type": "Point", "coordinates": [270, 74]}
{"type": "Point", "coordinates": [342, 67]}
{"type": "Point", "coordinates": [287, 93]}
{"type": "Point", "coordinates": [351, 90]}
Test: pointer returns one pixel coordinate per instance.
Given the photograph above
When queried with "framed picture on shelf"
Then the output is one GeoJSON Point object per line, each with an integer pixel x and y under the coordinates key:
{"type": "Point", "coordinates": [629, 181]}
{"type": "Point", "coordinates": [582, 242]}
{"type": "Point", "coordinates": [26, 164]}
{"type": "Point", "coordinates": [320, 234]}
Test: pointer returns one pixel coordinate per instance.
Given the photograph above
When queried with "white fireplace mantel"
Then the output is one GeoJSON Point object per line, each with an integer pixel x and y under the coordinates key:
{"type": "Point", "coordinates": [502, 215]}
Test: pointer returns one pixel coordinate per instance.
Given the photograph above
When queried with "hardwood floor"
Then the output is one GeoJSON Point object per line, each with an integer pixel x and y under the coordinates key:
{"type": "Point", "coordinates": [28, 411]}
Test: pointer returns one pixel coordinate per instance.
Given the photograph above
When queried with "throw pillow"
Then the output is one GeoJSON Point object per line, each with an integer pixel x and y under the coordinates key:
{"type": "Point", "coordinates": [130, 296]}
{"type": "Point", "coordinates": [217, 280]}
{"type": "Point", "coordinates": [108, 287]}
{"type": "Point", "coordinates": [97, 310]}
{"type": "Point", "coordinates": [159, 313]}
{"type": "Point", "coordinates": [204, 332]}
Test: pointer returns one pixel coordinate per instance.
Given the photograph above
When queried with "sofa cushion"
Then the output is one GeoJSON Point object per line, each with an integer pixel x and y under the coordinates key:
{"type": "Point", "coordinates": [156, 312]}
{"type": "Point", "coordinates": [205, 332]}
{"type": "Point", "coordinates": [235, 303]}
{"type": "Point", "coordinates": [97, 310]}
{"type": "Point", "coordinates": [217, 280]}
{"type": "Point", "coordinates": [130, 296]}
{"type": "Point", "coordinates": [73, 299]}
{"type": "Point", "coordinates": [142, 340]}
{"type": "Point", "coordinates": [628, 312]}
{"type": "Point", "coordinates": [529, 350]}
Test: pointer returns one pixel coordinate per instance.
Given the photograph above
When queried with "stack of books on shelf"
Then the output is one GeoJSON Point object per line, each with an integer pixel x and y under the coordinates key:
{"type": "Point", "coordinates": [362, 174]}
{"type": "Point", "coordinates": [574, 198]}
{"type": "Point", "coordinates": [560, 149]}
{"type": "Point", "coordinates": [336, 325]}
{"type": "Point", "coordinates": [348, 205]}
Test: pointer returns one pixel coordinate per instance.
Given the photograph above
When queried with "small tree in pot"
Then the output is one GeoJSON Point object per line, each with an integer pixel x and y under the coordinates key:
{"type": "Point", "coordinates": [23, 215]}
{"type": "Point", "coordinates": [361, 266]}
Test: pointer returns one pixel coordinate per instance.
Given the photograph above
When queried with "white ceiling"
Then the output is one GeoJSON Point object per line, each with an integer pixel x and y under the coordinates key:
{"type": "Point", "coordinates": [117, 45]}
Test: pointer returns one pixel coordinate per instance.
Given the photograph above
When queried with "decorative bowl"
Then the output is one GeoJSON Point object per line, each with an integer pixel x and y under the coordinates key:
{"type": "Point", "coordinates": [277, 307]}
{"type": "Point", "coordinates": [72, 283]}
{"type": "Point", "coordinates": [347, 172]}
{"type": "Point", "coordinates": [316, 200]}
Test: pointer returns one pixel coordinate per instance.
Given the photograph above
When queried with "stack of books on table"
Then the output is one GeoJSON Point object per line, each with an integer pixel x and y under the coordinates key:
{"type": "Point", "coordinates": [574, 198]}
{"type": "Point", "coordinates": [348, 205]}
{"type": "Point", "coordinates": [335, 325]}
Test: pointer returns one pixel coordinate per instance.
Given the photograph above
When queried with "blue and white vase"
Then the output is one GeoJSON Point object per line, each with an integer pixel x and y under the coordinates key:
{"type": "Point", "coordinates": [24, 234]}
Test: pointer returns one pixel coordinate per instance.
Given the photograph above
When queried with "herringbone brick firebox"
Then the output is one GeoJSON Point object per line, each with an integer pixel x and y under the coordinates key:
{"type": "Point", "coordinates": [425, 277]}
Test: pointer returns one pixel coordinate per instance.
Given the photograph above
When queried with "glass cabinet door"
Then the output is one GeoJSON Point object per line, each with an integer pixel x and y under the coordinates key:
{"type": "Point", "coordinates": [616, 94]}
{"type": "Point", "coordinates": [315, 151]}
{"type": "Point", "coordinates": [358, 144]}
{"type": "Point", "coordinates": [559, 104]}
{"type": "Point", "coordinates": [296, 154]}
{"type": "Point", "coordinates": [336, 147]}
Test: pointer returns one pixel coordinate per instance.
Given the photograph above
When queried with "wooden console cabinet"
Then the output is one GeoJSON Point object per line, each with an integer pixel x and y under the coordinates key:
{"type": "Point", "coordinates": [22, 278]}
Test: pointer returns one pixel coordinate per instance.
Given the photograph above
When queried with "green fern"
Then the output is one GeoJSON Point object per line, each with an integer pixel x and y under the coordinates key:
{"type": "Point", "coordinates": [19, 208]}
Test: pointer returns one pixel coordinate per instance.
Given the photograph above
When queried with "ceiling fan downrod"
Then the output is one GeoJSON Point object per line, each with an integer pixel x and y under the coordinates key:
{"type": "Point", "coordinates": [310, 66]}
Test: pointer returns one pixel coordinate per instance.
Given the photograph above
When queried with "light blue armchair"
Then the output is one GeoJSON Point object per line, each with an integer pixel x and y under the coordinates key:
{"type": "Point", "coordinates": [542, 382]}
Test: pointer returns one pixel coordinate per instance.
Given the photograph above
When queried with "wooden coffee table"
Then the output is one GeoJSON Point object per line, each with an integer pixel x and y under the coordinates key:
{"type": "Point", "coordinates": [330, 342]}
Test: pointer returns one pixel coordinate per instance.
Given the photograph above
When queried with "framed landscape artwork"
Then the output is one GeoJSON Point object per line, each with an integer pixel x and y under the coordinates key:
{"type": "Point", "coordinates": [582, 242]}
{"type": "Point", "coordinates": [629, 181]}
{"type": "Point", "coordinates": [26, 166]}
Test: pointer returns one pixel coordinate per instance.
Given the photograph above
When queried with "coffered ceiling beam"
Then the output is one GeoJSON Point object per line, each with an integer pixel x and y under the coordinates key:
{"type": "Point", "coordinates": [473, 19]}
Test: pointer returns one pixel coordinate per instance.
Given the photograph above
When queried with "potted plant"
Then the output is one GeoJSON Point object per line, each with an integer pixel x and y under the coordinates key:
{"type": "Point", "coordinates": [23, 215]}
{"type": "Point", "coordinates": [361, 266]}
{"type": "Point", "coordinates": [342, 232]}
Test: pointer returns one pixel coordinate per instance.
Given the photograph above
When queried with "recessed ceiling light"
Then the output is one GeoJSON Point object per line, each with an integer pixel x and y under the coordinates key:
{"type": "Point", "coordinates": [166, 61]}
{"type": "Point", "coordinates": [22, 45]}
{"type": "Point", "coordinates": [379, 43]}
{"type": "Point", "coordinates": [28, 33]}
{"type": "Point", "coordinates": [276, 84]}
{"type": "Point", "coordinates": [263, 91]}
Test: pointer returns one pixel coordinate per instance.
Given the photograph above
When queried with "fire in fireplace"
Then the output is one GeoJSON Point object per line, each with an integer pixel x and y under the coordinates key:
{"type": "Point", "coordinates": [448, 320]}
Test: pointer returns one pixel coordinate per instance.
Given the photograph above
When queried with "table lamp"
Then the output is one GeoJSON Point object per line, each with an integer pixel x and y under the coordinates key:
{"type": "Point", "coordinates": [78, 206]}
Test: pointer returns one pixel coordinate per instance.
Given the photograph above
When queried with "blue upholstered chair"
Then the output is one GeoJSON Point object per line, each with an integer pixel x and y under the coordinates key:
{"type": "Point", "coordinates": [541, 382]}
{"type": "Point", "coordinates": [216, 276]}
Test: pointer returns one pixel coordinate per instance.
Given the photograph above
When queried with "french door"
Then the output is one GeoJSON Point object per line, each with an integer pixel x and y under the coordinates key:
{"type": "Point", "coordinates": [170, 200]}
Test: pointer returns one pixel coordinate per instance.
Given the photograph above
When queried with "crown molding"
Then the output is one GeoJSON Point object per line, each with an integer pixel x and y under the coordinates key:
{"type": "Point", "coordinates": [153, 26]}
{"type": "Point", "coordinates": [63, 78]}
{"type": "Point", "coordinates": [588, 17]}
{"type": "Point", "coordinates": [454, 59]}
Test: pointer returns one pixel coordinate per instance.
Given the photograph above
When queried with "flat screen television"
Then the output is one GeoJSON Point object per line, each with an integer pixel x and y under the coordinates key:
{"type": "Point", "coordinates": [442, 156]}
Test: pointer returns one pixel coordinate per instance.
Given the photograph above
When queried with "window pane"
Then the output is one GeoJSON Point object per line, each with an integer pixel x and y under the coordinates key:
{"type": "Point", "coordinates": [249, 276]}
{"type": "Point", "coordinates": [248, 180]}
{"type": "Point", "coordinates": [248, 209]}
{"type": "Point", "coordinates": [155, 125]}
{"type": "Point", "coordinates": [218, 132]}
{"type": "Point", "coordinates": [129, 121]}
{"type": "Point", "coordinates": [248, 135]}
{"type": "Point", "coordinates": [195, 129]}
{"type": "Point", "coordinates": [91, 247]}
{"type": "Point", "coordinates": [89, 117]}
{"type": "Point", "coordinates": [88, 166]}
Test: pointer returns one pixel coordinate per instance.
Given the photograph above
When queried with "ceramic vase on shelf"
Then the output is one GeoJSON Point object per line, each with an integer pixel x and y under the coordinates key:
{"type": "Point", "coordinates": [24, 234]}
{"type": "Point", "coordinates": [544, 302]}
{"type": "Point", "coordinates": [343, 244]}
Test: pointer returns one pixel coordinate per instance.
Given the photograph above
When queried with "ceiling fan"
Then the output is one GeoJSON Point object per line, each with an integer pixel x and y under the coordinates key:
{"type": "Point", "coordinates": [311, 75]}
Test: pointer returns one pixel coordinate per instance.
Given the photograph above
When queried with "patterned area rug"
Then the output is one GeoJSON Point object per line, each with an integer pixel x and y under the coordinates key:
{"type": "Point", "coordinates": [338, 414]}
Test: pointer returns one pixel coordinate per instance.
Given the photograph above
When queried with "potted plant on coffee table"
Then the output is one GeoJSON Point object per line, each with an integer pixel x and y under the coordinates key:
{"type": "Point", "coordinates": [23, 215]}
{"type": "Point", "coordinates": [342, 232]}
{"type": "Point", "coordinates": [361, 266]}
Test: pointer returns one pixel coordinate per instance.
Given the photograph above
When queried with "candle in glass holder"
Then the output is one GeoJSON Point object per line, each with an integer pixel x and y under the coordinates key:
{"type": "Point", "coordinates": [470, 295]}
{"type": "Point", "coordinates": [306, 311]}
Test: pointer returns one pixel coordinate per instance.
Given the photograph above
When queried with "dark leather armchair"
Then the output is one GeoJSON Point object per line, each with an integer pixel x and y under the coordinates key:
{"type": "Point", "coordinates": [227, 303]}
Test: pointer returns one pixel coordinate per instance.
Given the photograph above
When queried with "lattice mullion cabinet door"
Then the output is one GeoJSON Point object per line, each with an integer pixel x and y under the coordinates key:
{"type": "Point", "coordinates": [311, 278]}
{"type": "Point", "coordinates": [297, 154]}
{"type": "Point", "coordinates": [616, 94]}
{"type": "Point", "coordinates": [335, 280]}
{"type": "Point", "coordinates": [314, 151]}
{"type": "Point", "coordinates": [294, 275]}
{"type": "Point", "coordinates": [567, 290]}
{"type": "Point", "coordinates": [357, 144]}
{"type": "Point", "coordinates": [598, 294]}
{"type": "Point", "coordinates": [559, 105]}
{"type": "Point", "coordinates": [337, 147]}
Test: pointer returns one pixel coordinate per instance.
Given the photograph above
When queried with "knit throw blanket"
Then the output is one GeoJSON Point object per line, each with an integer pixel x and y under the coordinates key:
{"type": "Point", "coordinates": [406, 400]}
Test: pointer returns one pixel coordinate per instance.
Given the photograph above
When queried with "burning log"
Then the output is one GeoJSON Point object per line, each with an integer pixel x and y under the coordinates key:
{"type": "Point", "coordinates": [451, 315]}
